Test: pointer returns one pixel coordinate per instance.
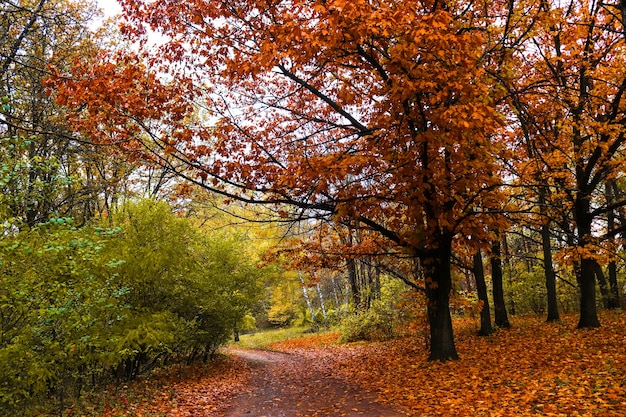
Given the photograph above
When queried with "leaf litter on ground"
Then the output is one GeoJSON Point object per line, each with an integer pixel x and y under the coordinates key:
{"type": "Point", "coordinates": [533, 369]}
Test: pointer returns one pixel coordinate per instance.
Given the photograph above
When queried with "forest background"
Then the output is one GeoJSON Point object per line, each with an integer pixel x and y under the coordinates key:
{"type": "Point", "coordinates": [197, 169]}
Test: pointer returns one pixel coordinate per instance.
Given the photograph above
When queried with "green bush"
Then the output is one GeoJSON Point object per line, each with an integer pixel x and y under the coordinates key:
{"type": "Point", "coordinates": [371, 324]}
{"type": "Point", "coordinates": [379, 322]}
{"type": "Point", "coordinates": [59, 312]}
{"type": "Point", "coordinates": [528, 292]}
{"type": "Point", "coordinates": [95, 304]}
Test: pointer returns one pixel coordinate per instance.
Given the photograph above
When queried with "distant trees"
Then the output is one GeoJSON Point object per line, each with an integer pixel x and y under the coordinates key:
{"type": "Point", "coordinates": [45, 172]}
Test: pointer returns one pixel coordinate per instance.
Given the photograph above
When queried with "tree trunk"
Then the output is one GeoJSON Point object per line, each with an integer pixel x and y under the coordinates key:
{"type": "Point", "coordinates": [481, 288]}
{"type": "Point", "coordinates": [10, 56]}
{"type": "Point", "coordinates": [586, 281]}
{"type": "Point", "coordinates": [614, 301]}
{"type": "Point", "coordinates": [528, 249]}
{"type": "Point", "coordinates": [354, 285]}
{"type": "Point", "coordinates": [585, 273]}
{"type": "Point", "coordinates": [505, 246]}
{"type": "Point", "coordinates": [307, 299]}
{"type": "Point", "coordinates": [336, 297]}
{"type": "Point", "coordinates": [614, 287]}
{"type": "Point", "coordinates": [553, 308]}
{"type": "Point", "coordinates": [236, 331]}
{"type": "Point", "coordinates": [499, 306]}
{"type": "Point", "coordinates": [438, 284]}
{"type": "Point", "coordinates": [604, 288]}
{"type": "Point", "coordinates": [322, 306]}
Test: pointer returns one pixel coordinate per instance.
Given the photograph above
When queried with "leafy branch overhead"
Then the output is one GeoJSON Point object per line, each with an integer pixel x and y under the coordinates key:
{"type": "Point", "coordinates": [324, 106]}
{"type": "Point", "coordinates": [424, 131]}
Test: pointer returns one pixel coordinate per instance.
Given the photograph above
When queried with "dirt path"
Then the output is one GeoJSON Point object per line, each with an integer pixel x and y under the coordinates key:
{"type": "Point", "coordinates": [296, 385]}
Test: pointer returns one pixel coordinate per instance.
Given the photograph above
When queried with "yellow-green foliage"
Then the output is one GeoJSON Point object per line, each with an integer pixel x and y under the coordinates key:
{"type": "Point", "coordinates": [379, 322]}
{"type": "Point", "coordinates": [95, 303]}
{"type": "Point", "coordinates": [286, 300]}
{"type": "Point", "coordinates": [262, 339]}
{"type": "Point", "coordinates": [60, 311]}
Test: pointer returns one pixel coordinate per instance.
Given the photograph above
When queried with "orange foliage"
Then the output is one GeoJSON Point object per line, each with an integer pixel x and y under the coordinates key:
{"type": "Point", "coordinates": [391, 117]}
{"type": "Point", "coordinates": [534, 368]}
{"type": "Point", "coordinates": [531, 369]}
{"type": "Point", "coordinates": [190, 391]}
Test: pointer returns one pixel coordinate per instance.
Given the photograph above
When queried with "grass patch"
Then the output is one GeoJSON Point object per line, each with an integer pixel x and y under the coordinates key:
{"type": "Point", "coordinates": [265, 338]}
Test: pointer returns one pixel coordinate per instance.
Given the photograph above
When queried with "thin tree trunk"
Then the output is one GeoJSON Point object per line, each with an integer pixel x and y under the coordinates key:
{"type": "Point", "coordinates": [307, 299]}
{"type": "Point", "coordinates": [550, 276]}
{"type": "Point", "coordinates": [614, 287]}
{"type": "Point", "coordinates": [505, 246]}
{"type": "Point", "coordinates": [322, 306]}
{"type": "Point", "coordinates": [527, 249]}
{"type": "Point", "coordinates": [336, 297]}
{"type": "Point", "coordinates": [604, 289]}
{"type": "Point", "coordinates": [12, 53]}
{"type": "Point", "coordinates": [499, 306]}
{"type": "Point", "coordinates": [236, 332]}
{"type": "Point", "coordinates": [354, 285]}
{"type": "Point", "coordinates": [479, 275]}
{"type": "Point", "coordinates": [614, 298]}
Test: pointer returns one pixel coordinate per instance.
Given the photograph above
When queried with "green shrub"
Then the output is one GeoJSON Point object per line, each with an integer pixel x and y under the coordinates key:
{"type": "Point", "coordinates": [80, 307]}
{"type": "Point", "coordinates": [370, 325]}
{"type": "Point", "coordinates": [379, 322]}
{"type": "Point", "coordinates": [59, 312]}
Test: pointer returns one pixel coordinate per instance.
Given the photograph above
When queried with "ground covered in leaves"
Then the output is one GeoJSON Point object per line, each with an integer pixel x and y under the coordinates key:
{"type": "Point", "coordinates": [302, 384]}
{"type": "Point", "coordinates": [199, 390]}
{"type": "Point", "coordinates": [532, 369]}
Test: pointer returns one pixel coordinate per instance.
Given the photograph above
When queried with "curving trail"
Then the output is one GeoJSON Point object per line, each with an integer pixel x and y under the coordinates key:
{"type": "Point", "coordinates": [299, 385]}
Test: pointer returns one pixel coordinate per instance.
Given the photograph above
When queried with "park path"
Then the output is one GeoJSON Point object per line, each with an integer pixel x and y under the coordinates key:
{"type": "Point", "coordinates": [300, 385]}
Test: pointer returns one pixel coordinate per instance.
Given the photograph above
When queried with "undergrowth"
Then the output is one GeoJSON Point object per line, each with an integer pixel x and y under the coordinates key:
{"type": "Point", "coordinates": [264, 339]}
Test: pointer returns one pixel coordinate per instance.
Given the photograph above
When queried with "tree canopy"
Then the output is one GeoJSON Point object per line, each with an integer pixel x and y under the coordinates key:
{"type": "Point", "coordinates": [431, 125]}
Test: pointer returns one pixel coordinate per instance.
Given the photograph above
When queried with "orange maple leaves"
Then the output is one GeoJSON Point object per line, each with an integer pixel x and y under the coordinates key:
{"type": "Point", "coordinates": [201, 390]}
{"type": "Point", "coordinates": [532, 369]}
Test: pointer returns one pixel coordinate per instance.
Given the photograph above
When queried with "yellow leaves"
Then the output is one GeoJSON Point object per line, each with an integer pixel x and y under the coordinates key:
{"type": "Point", "coordinates": [310, 342]}
{"type": "Point", "coordinates": [342, 210]}
{"type": "Point", "coordinates": [602, 252]}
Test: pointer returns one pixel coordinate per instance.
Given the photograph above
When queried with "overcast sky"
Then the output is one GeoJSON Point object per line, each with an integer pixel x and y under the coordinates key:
{"type": "Point", "coordinates": [110, 7]}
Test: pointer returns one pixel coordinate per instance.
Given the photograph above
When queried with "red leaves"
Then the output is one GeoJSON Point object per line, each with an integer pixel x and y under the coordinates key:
{"type": "Point", "coordinates": [189, 391]}
{"type": "Point", "coordinates": [114, 99]}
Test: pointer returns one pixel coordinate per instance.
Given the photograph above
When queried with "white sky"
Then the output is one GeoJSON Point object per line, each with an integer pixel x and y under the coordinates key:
{"type": "Point", "coordinates": [110, 7]}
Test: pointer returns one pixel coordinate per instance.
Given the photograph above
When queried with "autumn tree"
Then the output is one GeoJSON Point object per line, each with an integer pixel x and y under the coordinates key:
{"type": "Point", "coordinates": [569, 98]}
{"type": "Point", "coordinates": [46, 169]}
{"type": "Point", "coordinates": [371, 114]}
